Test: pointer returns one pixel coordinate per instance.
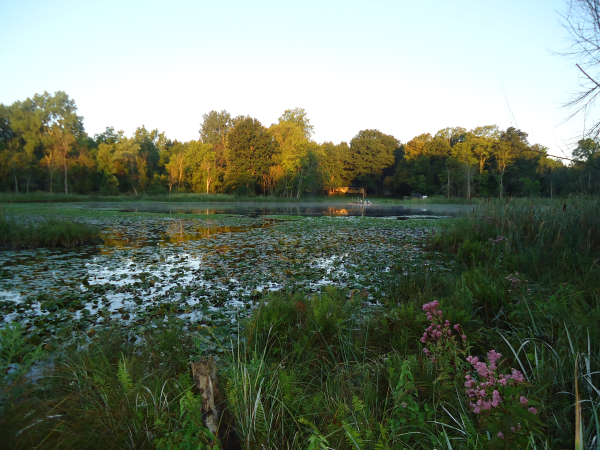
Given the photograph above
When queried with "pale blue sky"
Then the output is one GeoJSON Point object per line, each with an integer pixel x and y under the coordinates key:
{"type": "Point", "coordinates": [400, 66]}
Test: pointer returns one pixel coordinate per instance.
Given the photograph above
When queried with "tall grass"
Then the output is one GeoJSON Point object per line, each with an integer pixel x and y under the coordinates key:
{"type": "Point", "coordinates": [47, 233]}
{"type": "Point", "coordinates": [121, 391]}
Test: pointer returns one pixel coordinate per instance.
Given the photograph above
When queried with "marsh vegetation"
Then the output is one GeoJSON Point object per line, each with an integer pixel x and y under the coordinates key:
{"type": "Point", "coordinates": [325, 330]}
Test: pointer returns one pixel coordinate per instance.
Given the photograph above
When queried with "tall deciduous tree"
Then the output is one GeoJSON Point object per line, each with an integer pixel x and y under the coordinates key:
{"type": "Point", "coordinates": [300, 118]}
{"type": "Point", "coordinates": [61, 127]}
{"type": "Point", "coordinates": [463, 152]}
{"type": "Point", "coordinates": [335, 165]}
{"type": "Point", "coordinates": [215, 126]}
{"type": "Point", "coordinates": [371, 152]}
{"type": "Point", "coordinates": [249, 151]}
{"type": "Point", "coordinates": [512, 142]}
{"type": "Point", "coordinates": [292, 142]}
{"type": "Point", "coordinates": [587, 151]}
{"type": "Point", "coordinates": [201, 164]}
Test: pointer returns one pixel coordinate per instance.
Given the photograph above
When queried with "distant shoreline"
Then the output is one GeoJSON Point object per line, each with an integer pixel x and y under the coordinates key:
{"type": "Point", "coordinates": [219, 198]}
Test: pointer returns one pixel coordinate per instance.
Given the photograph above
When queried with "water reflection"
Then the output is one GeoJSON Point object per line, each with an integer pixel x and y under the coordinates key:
{"type": "Point", "coordinates": [287, 209]}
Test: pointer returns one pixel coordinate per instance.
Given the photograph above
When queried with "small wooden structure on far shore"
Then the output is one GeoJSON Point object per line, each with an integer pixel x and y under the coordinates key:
{"type": "Point", "coordinates": [347, 190]}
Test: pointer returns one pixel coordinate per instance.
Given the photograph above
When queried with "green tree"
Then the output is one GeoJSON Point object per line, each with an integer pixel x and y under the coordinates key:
{"type": "Point", "coordinates": [335, 162]}
{"type": "Point", "coordinates": [507, 148]}
{"type": "Point", "coordinates": [371, 152]}
{"type": "Point", "coordinates": [588, 152]}
{"type": "Point", "coordinates": [133, 166]}
{"type": "Point", "coordinates": [300, 118]}
{"type": "Point", "coordinates": [151, 143]}
{"type": "Point", "coordinates": [106, 159]}
{"type": "Point", "coordinates": [463, 153]}
{"type": "Point", "coordinates": [176, 165]}
{"type": "Point", "coordinates": [215, 126]}
{"type": "Point", "coordinates": [250, 152]}
{"type": "Point", "coordinates": [61, 128]}
{"type": "Point", "coordinates": [292, 144]}
{"type": "Point", "coordinates": [200, 165]}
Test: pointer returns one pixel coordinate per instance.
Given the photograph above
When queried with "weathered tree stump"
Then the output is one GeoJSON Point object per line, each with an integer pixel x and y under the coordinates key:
{"type": "Point", "coordinates": [205, 376]}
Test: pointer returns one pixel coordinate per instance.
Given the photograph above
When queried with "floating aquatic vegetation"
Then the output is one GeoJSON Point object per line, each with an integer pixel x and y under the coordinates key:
{"type": "Point", "coordinates": [209, 271]}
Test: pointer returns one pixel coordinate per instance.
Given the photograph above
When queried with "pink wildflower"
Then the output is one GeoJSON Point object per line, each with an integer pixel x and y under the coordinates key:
{"type": "Point", "coordinates": [404, 404]}
{"type": "Point", "coordinates": [532, 410]}
{"type": "Point", "coordinates": [472, 359]}
{"type": "Point", "coordinates": [496, 398]}
{"type": "Point", "coordinates": [432, 306]}
{"type": "Point", "coordinates": [500, 435]}
{"type": "Point", "coordinates": [493, 357]}
{"type": "Point", "coordinates": [517, 376]}
{"type": "Point", "coordinates": [456, 327]}
{"type": "Point", "coordinates": [523, 400]}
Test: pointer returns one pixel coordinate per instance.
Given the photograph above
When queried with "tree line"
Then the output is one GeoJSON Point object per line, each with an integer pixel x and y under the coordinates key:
{"type": "Point", "coordinates": [44, 147]}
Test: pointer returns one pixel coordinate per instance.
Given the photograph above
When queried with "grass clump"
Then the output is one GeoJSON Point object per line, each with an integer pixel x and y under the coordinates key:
{"type": "Point", "coordinates": [119, 391]}
{"type": "Point", "coordinates": [49, 233]}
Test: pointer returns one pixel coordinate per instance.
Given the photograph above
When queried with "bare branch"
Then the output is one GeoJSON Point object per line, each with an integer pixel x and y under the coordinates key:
{"type": "Point", "coordinates": [584, 72]}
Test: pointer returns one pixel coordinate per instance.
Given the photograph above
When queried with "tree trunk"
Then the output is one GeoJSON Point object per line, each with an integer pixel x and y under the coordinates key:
{"type": "Point", "coordinates": [65, 167]}
{"type": "Point", "coordinates": [208, 180]}
{"type": "Point", "coordinates": [16, 185]}
{"type": "Point", "coordinates": [205, 376]}
{"type": "Point", "coordinates": [468, 182]}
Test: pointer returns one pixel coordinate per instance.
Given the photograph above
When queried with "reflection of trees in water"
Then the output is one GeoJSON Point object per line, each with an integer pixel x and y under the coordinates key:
{"type": "Point", "coordinates": [172, 232]}
{"type": "Point", "coordinates": [337, 211]}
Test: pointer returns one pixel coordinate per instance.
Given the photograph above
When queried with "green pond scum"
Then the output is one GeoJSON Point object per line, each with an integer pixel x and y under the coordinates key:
{"type": "Point", "coordinates": [476, 332]}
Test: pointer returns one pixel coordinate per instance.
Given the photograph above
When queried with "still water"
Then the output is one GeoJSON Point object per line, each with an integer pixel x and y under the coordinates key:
{"type": "Point", "coordinates": [290, 209]}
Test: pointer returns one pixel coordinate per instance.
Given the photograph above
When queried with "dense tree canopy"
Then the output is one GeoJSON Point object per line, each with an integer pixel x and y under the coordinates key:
{"type": "Point", "coordinates": [44, 147]}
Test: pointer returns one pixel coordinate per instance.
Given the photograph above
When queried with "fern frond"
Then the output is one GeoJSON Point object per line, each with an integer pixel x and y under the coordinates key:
{"type": "Point", "coordinates": [123, 376]}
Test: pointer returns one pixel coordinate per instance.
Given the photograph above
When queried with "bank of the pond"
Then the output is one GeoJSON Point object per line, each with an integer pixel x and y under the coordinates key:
{"type": "Point", "coordinates": [44, 197]}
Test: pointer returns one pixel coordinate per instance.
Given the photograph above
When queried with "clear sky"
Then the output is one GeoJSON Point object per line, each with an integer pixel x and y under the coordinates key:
{"type": "Point", "coordinates": [400, 66]}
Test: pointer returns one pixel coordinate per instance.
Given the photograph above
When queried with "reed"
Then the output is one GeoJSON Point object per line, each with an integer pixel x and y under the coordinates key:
{"type": "Point", "coordinates": [49, 233]}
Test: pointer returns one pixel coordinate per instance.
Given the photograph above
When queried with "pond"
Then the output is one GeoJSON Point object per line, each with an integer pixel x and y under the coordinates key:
{"type": "Point", "coordinates": [209, 270]}
{"type": "Point", "coordinates": [290, 209]}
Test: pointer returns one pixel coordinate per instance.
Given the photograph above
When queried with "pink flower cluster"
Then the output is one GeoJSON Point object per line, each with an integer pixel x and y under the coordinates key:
{"type": "Point", "coordinates": [515, 281]}
{"type": "Point", "coordinates": [498, 239]}
{"type": "Point", "coordinates": [485, 395]}
{"type": "Point", "coordinates": [437, 331]}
